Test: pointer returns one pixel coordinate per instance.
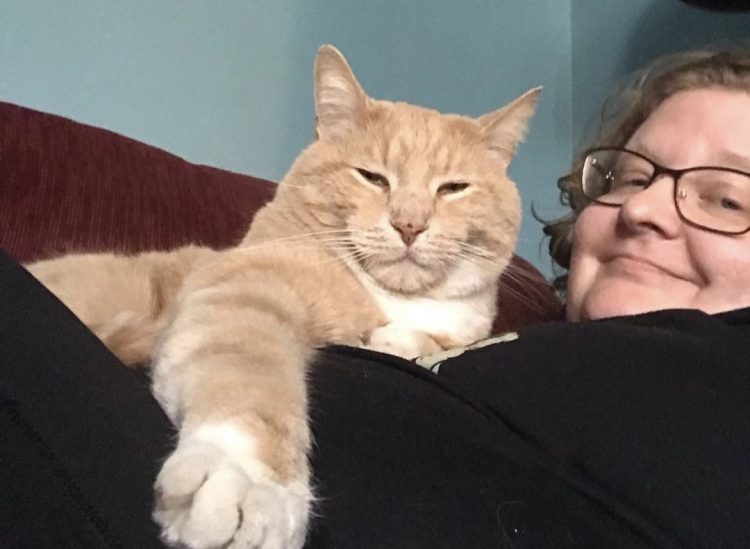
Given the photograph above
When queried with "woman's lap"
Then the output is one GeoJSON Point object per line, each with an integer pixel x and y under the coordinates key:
{"type": "Point", "coordinates": [85, 435]}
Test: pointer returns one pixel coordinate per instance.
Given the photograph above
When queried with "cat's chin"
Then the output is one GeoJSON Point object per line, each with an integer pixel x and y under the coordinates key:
{"type": "Point", "coordinates": [405, 276]}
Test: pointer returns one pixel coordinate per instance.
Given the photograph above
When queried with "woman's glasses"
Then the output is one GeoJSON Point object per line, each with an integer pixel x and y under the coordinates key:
{"type": "Point", "coordinates": [713, 198]}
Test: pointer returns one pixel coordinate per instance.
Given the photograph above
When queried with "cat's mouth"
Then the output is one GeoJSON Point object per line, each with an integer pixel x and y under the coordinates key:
{"type": "Point", "coordinates": [393, 259]}
{"type": "Point", "coordinates": [408, 256]}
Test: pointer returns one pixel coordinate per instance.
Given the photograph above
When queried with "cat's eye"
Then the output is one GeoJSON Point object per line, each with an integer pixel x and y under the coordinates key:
{"type": "Point", "coordinates": [374, 178]}
{"type": "Point", "coordinates": [452, 187]}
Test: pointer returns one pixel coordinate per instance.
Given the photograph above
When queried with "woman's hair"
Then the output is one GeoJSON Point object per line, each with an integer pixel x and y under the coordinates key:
{"type": "Point", "coordinates": [626, 109]}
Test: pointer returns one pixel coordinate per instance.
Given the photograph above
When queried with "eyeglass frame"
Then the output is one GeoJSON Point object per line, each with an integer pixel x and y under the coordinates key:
{"type": "Point", "coordinates": [674, 174]}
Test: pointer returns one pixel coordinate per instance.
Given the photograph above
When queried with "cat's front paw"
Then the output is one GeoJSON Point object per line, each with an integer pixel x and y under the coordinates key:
{"type": "Point", "coordinates": [209, 495]}
{"type": "Point", "coordinates": [397, 340]}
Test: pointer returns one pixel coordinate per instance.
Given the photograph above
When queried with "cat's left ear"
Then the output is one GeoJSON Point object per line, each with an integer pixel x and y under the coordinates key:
{"type": "Point", "coordinates": [339, 99]}
{"type": "Point", "coordinates": [506, 127]}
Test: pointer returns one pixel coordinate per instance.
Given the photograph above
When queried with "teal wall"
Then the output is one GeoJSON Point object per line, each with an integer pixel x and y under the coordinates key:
{"type": "Point", "coordinates": [613, 38]}
{"type": "Point", "coordinates": [229, 82]}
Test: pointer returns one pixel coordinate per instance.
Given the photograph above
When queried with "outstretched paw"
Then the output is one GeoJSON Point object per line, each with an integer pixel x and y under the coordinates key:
{"type": "Point", "coordinates": [207, 498]}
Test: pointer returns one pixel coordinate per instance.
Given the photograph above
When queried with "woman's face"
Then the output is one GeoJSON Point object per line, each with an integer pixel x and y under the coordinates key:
{"type": "Point", "coordinates": [641, 256]}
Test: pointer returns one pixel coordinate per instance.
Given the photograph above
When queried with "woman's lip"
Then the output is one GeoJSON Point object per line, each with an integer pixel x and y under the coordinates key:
{"type": "Point", "coordinates": [646, 264]}
{"type": "Point", "coordinates": [643, 263]}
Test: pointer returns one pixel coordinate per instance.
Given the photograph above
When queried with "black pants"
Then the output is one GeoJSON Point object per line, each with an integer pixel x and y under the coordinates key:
{"type": "Point", "coordinates": [401, 458]}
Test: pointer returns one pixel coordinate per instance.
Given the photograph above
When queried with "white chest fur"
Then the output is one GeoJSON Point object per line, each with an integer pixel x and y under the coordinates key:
{"type": "Point", "coordinates": [463, 318]}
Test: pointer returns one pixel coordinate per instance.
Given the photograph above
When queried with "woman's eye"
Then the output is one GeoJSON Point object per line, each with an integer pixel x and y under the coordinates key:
{"type": "Point", "coordinates": [374, 178]}
{"type": "Point", "coordinates": [627, 180]}
{"type": "Point", "coordinates": [725, 201]}
{"type": "Point", "coordinates": [729, 204]}
{"type": "Point", "coordinates": [452, 187]}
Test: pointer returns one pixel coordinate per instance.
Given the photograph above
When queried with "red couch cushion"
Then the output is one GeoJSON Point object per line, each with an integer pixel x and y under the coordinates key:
{"type": "Point", "coordinates": [66, 186]}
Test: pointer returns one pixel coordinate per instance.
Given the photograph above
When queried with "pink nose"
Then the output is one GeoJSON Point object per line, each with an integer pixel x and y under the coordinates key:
{"type": "Point", "coordinates": [408, 231]}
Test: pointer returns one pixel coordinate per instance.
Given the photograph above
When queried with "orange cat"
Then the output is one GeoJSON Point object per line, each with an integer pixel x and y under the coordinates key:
{"type": "Point", "coordinates": [389, 231]}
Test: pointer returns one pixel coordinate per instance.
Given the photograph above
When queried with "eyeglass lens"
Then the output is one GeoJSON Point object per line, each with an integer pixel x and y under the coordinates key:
{"type": "Point", "coordinates": [716, 199]}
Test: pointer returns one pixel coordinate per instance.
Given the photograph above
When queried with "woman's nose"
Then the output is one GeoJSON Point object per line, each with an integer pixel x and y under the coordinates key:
{"type": "Point", "coordinates": [653, 209]}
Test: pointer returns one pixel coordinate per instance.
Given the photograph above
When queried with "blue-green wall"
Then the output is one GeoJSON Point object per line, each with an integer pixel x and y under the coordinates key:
{"type": "Point", "coordinates": [229, 82]}
{"type": "Point", "coordinates": [613, 38]}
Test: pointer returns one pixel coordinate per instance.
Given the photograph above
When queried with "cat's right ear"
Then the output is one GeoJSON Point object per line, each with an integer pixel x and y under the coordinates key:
{"type": "Point", "coordinates": [506, 127]}
{"type": "Point", "coordinates": [339, 99]}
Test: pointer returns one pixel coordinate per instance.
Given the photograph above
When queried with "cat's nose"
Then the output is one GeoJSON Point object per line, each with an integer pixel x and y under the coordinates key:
{"type": "Point", "coordinates": [409, 231]}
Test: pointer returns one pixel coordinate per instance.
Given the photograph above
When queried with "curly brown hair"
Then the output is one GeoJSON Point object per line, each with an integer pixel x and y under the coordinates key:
{"type": "Point", "coordinates": [626, 109]}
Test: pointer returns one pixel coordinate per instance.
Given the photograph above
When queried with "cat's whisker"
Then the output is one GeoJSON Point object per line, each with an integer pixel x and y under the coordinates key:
{"type": "Point", "coordinates": [301, 245]}
{"type": "Point", "coordinates": [357, 256]}
{"type": "Point", "coordinates": [522, 272]}
{"type": "Point", "coordinates": [320, 239]}
{"type": "Point", "coordinates": [301, 236]}
{"type": "Point", "coordinates": [481, 264]}
{"type": "Point", "coordinates": [476, 250]}
{"type": "Point", "coordinates": [529, 287]}
{"type": "Point", "coordinates": [522, 297]}
{"type": "Point", "coordinates": [531, 291]}
{"type": "Point", "coordinates": [478, 260]}
{"type": "Point", "coordinates": [524, 277]}
{"type": "Point", "coordinates": [480, 257]}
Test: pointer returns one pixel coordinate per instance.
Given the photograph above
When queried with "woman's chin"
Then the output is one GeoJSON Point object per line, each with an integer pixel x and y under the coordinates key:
{"type": "Point", "coordinates": [610, 300]}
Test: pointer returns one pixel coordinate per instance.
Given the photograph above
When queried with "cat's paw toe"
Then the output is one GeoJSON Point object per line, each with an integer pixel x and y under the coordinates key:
{"type": "Point", "coordinates": [273, 517]}
{"type": "Point", "coordinates": [198, 497]}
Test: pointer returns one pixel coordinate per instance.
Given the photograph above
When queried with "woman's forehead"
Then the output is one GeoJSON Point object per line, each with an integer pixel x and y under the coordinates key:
{"type": "Point", "coordinates": [698, 127]}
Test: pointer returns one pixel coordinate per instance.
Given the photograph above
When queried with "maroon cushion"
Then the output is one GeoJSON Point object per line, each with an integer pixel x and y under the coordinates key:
{"type": "Point", "coordinates": [66, 186]}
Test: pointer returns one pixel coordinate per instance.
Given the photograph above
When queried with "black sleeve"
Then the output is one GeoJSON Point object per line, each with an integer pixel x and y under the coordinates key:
{"type": "Point", "coordinates": [646, 414]}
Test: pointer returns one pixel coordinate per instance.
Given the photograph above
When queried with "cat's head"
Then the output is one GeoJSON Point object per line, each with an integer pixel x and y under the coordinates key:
{"type": "Point", "coordinates": [421, 199]}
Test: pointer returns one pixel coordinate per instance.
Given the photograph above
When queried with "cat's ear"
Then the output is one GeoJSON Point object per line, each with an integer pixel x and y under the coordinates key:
{"type": "Point", "coordinates": [506, 127]}
{"type": "Point", "coordinates": [339, 99]}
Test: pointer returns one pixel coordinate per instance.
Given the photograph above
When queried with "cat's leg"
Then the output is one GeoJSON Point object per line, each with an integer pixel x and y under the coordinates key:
{"type": "Point", "coordinates": [124, 300]}
{"type": "Point", "coordinates": [231, 375]}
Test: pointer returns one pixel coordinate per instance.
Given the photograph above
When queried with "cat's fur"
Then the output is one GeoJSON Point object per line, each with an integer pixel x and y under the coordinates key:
{"type": "Point", "coordinates": [338, 256]}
